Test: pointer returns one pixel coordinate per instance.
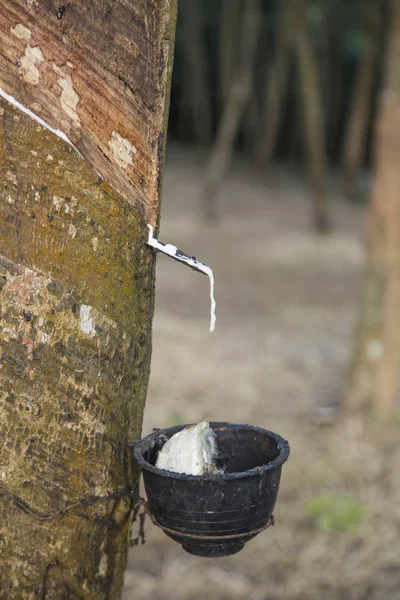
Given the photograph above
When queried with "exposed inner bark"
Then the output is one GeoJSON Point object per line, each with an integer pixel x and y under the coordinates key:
{"type": "Point", "coordinates": [96, 74]}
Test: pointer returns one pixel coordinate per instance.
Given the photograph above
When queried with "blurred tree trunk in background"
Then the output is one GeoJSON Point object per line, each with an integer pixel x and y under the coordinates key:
{"type": "Point", "coordinates": [276, 80]}
{"type": "Point", "coordinates": [197, 77]}
{"type": "Point", "coordinates": [251, 123]}
{"type": "Point", "coordinates": [375, 373]}
{"type": "Point", "coordinates": [314, 129]}
{"type": "Point", "coordinates": [239, 93]}
{"type": "Point", "coordinates": [76, 283]}
{"type": "Point", "coordinates": [265, 119]}
{"type": "Point", "coordinates": [357, 125]}
{"type": "Point", "coordinates": [228, 41]}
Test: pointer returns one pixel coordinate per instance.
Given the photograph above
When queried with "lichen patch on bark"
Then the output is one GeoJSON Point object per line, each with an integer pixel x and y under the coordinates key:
{"type": "Point", "coordinates": [86, 322]}
{"type": "Point", "coordinates": [31, 56]}
{"type": "Point", "coordinates": [29, 62]}
{"type": "Point", "coordinates": [21, 32]}
{"type": "Point", "coordinates": [69, 98]}
{"type": "Point", "coordinates": [122, 150]}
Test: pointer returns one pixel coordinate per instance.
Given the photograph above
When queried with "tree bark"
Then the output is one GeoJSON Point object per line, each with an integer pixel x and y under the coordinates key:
{"type": "Point", "coordinates": [357, 126]}
{"type": "Point", "coordinates": [76, 283]}
{"type": "Point", "coordinates": [374, 379]}
{"type": "Point", "coordinates": [314, 130]}
{"type": "Point", "coordinates": [238, 97]}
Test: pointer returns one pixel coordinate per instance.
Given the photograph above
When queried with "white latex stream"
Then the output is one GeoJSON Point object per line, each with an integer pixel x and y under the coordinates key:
{"type": "Point", "coordinates": [191, 261]}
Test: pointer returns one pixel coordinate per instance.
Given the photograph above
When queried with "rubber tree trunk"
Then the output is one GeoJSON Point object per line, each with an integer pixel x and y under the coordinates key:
{"type": "Point", "coordinates": [314, 130]}
{"type": "Point", "coordinates": [276, 80]}
{"type": "Point", "coordinates": [374, 380]}
{"type": "Point", "coordinates": [357, 126]}
{"type": "Point", "coordinates": [232, 115]}
{"type": "Point", "coordinates": [77, 283]}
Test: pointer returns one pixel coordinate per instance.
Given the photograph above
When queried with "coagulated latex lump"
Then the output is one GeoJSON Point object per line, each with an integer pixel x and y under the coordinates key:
{"type": "Point", "coordinates": [192, 451]}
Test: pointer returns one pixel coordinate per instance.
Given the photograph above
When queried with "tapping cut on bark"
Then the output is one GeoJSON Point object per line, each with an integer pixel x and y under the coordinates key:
{"type": "Point", "coordinates": [76, 283]}
{"type": "Point", "coordinates": [97, 74]}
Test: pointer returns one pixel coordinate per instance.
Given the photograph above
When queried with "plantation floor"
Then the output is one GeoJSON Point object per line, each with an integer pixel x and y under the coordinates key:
{"type": "Point", "coordinates": [286, 309]}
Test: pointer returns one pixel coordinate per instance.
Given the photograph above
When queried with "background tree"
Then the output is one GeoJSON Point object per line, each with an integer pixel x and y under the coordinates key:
{"type": "Point", "coordinates": [290, 17]}
{"type": "Point", "coordinates": [77, 283]}
{"type": "Point", "coordinates": [241, 88]}
{"type": "Point", "coordinates": [375, 373]}
{"type": "Point", "coordinates": [314, 126]}
{"type": "Point", "coordinates": [267, 119]}
{"type": "Point", "coordinates": [357, 124]}
{"type": "Point", "coordinates": [195, 59]}
{"type": "Point", "coordinates": [227, 46]}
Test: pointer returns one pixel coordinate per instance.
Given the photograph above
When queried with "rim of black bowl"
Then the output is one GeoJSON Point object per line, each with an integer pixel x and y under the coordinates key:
{"type": "Point", "coordinates": [282, 444]}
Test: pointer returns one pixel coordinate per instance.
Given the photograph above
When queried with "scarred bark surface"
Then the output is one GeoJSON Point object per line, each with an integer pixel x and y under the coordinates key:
{"type": "Point", "coordinates": [76, 284]}
{"type": "Point", "coordinates": [96, 74]}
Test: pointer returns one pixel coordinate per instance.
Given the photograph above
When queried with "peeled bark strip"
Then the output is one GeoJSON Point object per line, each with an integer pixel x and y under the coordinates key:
{"type": "Point", "coordinates": [375, 374]}
{"type": "Point", "coordinates": [76, 284]}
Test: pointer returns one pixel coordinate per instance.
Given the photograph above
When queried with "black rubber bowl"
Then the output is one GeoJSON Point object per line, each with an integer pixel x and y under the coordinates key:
{"type": "Point", "coordinates": [214, 515]}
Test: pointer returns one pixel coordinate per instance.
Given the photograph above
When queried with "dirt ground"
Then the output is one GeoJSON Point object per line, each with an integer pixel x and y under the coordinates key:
{"type": "Point", "coordinates": [286, 307]}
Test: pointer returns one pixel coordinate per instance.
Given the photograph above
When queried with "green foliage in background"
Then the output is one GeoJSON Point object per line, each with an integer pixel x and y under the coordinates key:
{"type": "Point", "coordinates": [330, 513]}
{"type": "Point", "coordinates": [176, 418]}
